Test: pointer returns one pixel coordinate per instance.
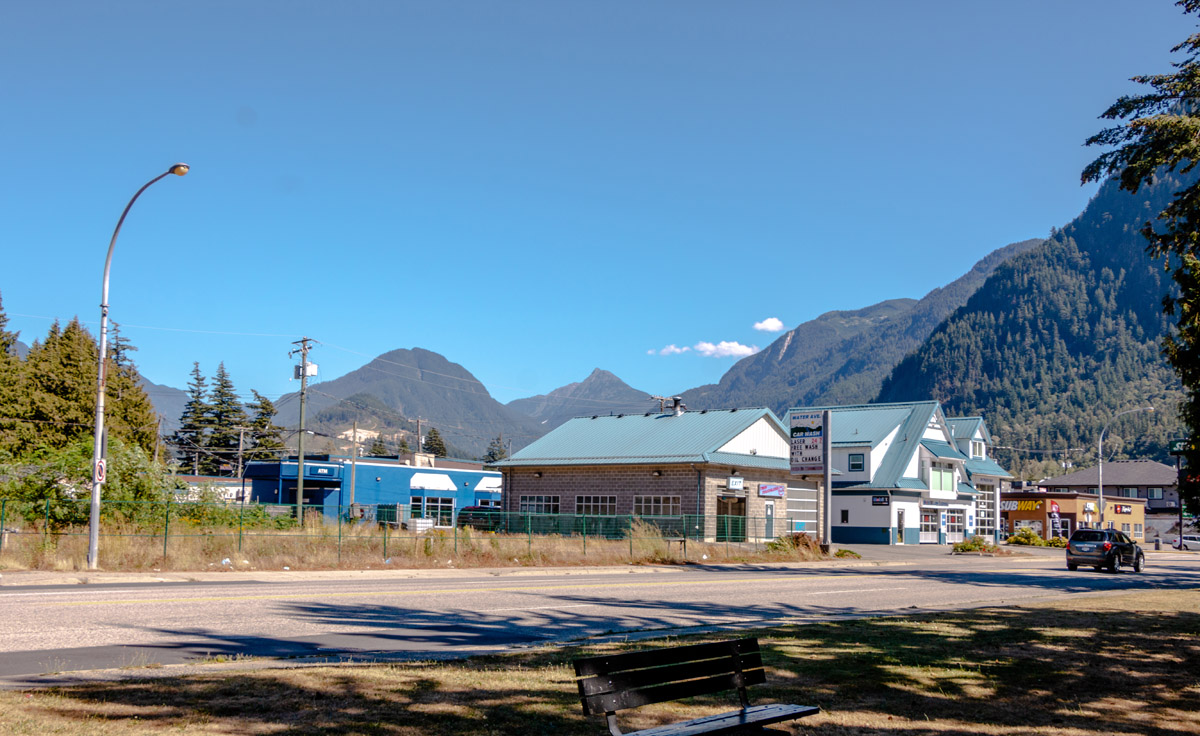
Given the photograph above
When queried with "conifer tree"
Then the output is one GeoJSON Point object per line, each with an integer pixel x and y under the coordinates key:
{"type": "Point", "coordinates": [1161, 135]}
{"type": "Point", "coordinates": [495, 451]}
{"type": "Point", "coordinates": [378, 447]}
{"type": "Point", "coordinates": [129, 413]}
{"type": "Point", "coordinates": [195, 423]}
{"type": "Point", "coordinates": [403, 448]}
{"type": "Point", "coordinates": [227, 422]}
{"type": "Point", "coordinates": [434, 445]}
{"type": "Point", "coordinates": [11, 405]}
{"type": "Point", "coordinates": [60, 386]}
{"type": "Point", "coordinates": [267, 436]}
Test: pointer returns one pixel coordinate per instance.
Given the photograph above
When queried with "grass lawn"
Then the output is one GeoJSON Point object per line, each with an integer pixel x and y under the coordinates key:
{"type": "Point", "coordinates": [1127, 664]}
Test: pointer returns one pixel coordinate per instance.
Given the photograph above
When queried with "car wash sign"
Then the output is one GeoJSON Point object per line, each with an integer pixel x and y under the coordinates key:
{"type": "Point", "coordinates": [808, 442]}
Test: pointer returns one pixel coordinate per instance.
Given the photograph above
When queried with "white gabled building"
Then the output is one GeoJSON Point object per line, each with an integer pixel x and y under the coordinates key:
{"type": "Point", "coordinates": [909, 475]}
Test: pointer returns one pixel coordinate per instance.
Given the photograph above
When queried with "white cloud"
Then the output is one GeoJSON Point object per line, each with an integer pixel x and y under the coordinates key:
{"type": "Point", "coordinates": [670, 350]}
{"type": "Point", "coordinates": [725, 349]}
{"type": "Point", "coordinates": [770, 324]}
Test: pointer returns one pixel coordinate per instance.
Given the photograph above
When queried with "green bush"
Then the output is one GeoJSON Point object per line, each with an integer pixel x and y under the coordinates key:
{"type": "Point", "coordinates": [975, 544]}
{"type": "Point", "coordinates": [1056, 542]}
{"type": "Point", "coordinates": [1027, 537]}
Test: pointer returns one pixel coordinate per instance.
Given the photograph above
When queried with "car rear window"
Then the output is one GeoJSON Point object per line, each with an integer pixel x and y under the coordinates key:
{"type": "Point", "coordinates": [1088, 535]}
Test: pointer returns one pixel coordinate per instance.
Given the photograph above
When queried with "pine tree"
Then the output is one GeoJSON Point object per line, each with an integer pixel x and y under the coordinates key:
{"type": "Point", "coordinates": [378, 447]}
{"type": "Point", "coordinates": [267, 436]}
{"type": "Point", "coordinates": [434, 445]}
{"type": "Point", "coordinates": [129, 413]}
{"type": "Point", "coordinates": [403, 448]}
{"type": "Point", "coordinates": [495, 451]}
{"type": "Point", "coordinates": [1162, 137]}
{"type": "Point", "coordinates": [60, 387]}
{"type": "Point", "coordinates": [195, 423]}
{"type": "Point", "coordinates": [12, 408]}
{"type": "Point", "coordinates": [227, 423]}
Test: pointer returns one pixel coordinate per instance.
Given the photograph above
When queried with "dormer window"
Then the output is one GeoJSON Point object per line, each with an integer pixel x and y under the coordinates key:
{"type": "Point", "coordinates": [858, 462]}
{"type": "Point", "coordinates": [941, 477]}
{"type": "Point", "coordinates": [978, 449]}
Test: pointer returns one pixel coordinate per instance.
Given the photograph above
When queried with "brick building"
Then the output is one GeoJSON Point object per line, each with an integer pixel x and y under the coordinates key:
{"type": "Point", "coordinates": [712, 466]}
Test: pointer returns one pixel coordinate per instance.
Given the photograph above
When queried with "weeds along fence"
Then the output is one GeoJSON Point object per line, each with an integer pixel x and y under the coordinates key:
{"type": "Point", "coordinates": [188, 535]}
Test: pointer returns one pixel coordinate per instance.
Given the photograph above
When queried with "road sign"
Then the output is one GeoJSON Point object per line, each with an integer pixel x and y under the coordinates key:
{"type": "Point", "coordinates": [1178, 447]}
{"type": "Point", "coordinates": [808, 436]}
{"type": "Point", "coordinates": [98, 473]}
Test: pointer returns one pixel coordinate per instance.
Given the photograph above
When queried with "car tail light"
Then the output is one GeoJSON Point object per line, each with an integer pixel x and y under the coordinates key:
{"type": "Point", "coordinates": [1107, 546]}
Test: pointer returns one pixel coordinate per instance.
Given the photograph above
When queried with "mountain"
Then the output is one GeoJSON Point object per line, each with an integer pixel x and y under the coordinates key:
{"type": "Point", "coordinates": [599, 393]}
{"type": "Point", "coordinates": [421, 384]}
{"type": "Point", "coordinates": [21, 349]}
{"type": "Point", "coordinates": [843, 357]}
{"type": "Point", "coordinates": [168, 403]}
{"type": "Point", "coordinates": [1059, 340]}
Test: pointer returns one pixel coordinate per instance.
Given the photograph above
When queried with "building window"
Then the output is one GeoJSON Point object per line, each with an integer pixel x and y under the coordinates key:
{"type": "Point", "coordinates": [845, 516]}
{"type": "Point", "coordinates": [539, 505]}
{"type": "Point", "coordinates": [1137, 530]}
{"type": "Point", "coordinates": [489, 503]}
{"type": "Point", "coordinates": [977, 449]}
{"type": "Point", "coordinates": [857, 462]}
{"type": "Point", "coordinates": [1125, 528]}
{"type": "Point", "coordinates": [941, 477]}
{"type": "Point", "coordinates": [1128, 493]}
{"type": "Point", "coordinates": [657, 506]}
{"type": "Point", "coordinates": [596, 505]}
{"type": "Point", "coordinates": [1154, 494]}
{"type": "Point", "coordinates": [441, 510]}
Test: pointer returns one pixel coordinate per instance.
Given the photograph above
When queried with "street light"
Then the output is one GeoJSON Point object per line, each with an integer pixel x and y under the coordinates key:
{"type": "Point", "coordinates": [1100, 456]}
{"type": "Point", "coordinates": [98, 469]}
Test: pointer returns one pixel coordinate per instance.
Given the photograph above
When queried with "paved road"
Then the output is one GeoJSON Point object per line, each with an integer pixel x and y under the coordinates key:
{"type": "Point", "coordinates": [56, 628]}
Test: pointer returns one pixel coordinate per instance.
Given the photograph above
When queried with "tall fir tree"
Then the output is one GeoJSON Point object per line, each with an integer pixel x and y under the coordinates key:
{"type": "Point", "coordinates": [266, 436]}
{"type": "Point", "coordinates": [228, 422]}
{"type": "Point", "coordinates": [495, 451]}
{"type": "Point", "coordinates": [195, 423]}
{"type": "Point", "coordinates": [129, 413]}
{"type": "Point", "coordinates": [1161, 135]}
{"type": "Point", "coordinates": [434, 444]}
{"type": "Point", "coordinates": [378, 447]}
{"type": "Point", "coordinates": [60, 386]}
{"type": "Point", "coordinates": [12, 408]}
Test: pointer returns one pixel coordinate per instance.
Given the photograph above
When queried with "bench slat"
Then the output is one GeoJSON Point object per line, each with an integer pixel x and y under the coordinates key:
{"type": "Point", "coordinates": [608, 663]}
{"type": "Point", "coordinates": [633, 679]}
{"type": "Point", "coordinates": [733, 721]}
{"type": "Point", "coordinates": [623, 699]}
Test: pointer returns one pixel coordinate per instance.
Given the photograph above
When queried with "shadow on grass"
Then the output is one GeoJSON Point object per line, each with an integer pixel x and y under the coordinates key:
{"type": "Point", "coordinates": [983, 671]}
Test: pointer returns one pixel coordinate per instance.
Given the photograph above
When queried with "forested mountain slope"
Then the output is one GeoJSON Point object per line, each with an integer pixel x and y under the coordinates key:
{"type": "Point", "coordinates": [1059, 340]}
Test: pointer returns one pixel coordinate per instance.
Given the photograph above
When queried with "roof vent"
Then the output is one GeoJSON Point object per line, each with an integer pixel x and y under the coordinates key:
{"type": "Point", "coordinates": [679, 408]}
{"type": "Point", "coordinates": [595, 416]}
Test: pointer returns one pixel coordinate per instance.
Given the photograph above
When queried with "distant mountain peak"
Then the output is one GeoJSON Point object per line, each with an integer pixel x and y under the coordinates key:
{"type": "Point", "coordinates": [602, 392]}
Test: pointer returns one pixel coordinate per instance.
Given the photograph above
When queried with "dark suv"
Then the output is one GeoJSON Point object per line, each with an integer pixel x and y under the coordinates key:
{"type": "Point", "coordinates": [1104, 548]}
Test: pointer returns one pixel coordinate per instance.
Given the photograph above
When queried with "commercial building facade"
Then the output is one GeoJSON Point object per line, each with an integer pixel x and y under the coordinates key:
{"type": "Point", "coordinates": [1060, 513]}
{"type": "Point", "coordinates": [714, 467]}
{"type": "Point", "coordinates": [908, 475]}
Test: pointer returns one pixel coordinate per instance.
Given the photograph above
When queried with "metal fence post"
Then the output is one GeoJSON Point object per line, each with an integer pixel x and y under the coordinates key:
{"type": "Point", "coordinates": [456, 540]}
{"type": "Point", "coordinates": [585, 536]}
{"type": "Point", "coordinates": [385, 528]}
{"type": "Point", "coordinates": [3, 504]}
{"type": "Point", "coordinates": [529, 531]}
{"type": "Point", "coordinates": [339, 535]}
{"type": "Point", "coordinates": [166, 527]}
{"type": "Point", "coordinates": [631, 537]}
{"type": "Point", "coordinates": [241, 513]}
{"type": "Point", "coordinates": [46, 522]}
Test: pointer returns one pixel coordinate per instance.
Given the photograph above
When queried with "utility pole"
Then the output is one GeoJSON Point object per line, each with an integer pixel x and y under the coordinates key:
{"type": "Point", "coordinates": [241, 444]}
{"type": "Point", "coordinates": [354, 460]}
{"type": "Point", "coordinates": [420, 444]}
{"type": "Point", "coordinates": [303, 371]}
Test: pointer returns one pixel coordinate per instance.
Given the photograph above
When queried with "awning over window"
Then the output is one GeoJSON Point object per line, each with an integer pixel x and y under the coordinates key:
{"type": "Point", "coordinates": [488, 483]}
{"type": "Point", "coordinates": [431, 482]}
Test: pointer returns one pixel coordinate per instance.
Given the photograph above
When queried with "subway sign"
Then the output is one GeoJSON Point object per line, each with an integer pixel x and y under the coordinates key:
{"type": "Point", "coordinates": [1027, 505]}
{"type": "Point", "coordinates": [1122, 508]}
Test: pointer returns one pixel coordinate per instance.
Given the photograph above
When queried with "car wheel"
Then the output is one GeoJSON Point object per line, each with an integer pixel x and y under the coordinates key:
{"type": "Point", "coordinates": [1114, 564]}
{"type": "Point", "coordinates": [1139, 562]}
{"type": "Point", "coordinates": [1098, 568]}
{"type": "Point", "coordinates": [1072, 566]}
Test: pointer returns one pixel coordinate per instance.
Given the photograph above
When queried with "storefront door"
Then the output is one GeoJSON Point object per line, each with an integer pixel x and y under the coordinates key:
{"type": "Point", "coordinates": [731, 519]}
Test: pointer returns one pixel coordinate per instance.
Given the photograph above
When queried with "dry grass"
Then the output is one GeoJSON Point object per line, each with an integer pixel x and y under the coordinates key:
{"type": "Point", "coordinates": [1130, 664]}
{"type": "Point", "coordinates": [321, 546]}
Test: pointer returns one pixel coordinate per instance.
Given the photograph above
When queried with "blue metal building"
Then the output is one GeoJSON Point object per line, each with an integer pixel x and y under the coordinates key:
{"type": "Point", "coordinates": [426, 492]}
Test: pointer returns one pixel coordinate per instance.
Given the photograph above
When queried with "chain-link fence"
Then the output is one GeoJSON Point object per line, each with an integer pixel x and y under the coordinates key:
{"type": "Point", "coordinates": [202, 535]}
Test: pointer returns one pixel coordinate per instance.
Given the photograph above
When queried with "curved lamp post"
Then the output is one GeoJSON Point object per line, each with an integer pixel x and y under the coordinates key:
{"type": "Point", "coordinates": [1100, 456]}
{"type": "Point", "coordinates": [98, 469]}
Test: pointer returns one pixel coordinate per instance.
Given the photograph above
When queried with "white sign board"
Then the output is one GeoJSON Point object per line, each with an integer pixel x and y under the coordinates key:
{"type": "Point", "coordinates": [735, 483]}
{"type": "Point", "coordinates": [808, 442]}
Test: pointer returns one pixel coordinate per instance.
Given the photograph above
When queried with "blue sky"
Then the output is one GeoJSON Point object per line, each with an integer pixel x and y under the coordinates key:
{"type": "Point", "coordinates": [534, 189]}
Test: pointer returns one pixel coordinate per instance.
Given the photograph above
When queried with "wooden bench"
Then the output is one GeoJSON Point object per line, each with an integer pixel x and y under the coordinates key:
{"type": "Point", "coordinates": [615, 682]}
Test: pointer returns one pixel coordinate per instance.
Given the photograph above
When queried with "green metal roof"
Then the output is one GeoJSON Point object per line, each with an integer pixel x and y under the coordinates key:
{"type": "Point", "coordinates": [638, 439]}
{"type": "Point", "coordinates": [943, 449]}
{"type": "Point", "coordinates": [986, 466]}
{"type": "Point", "coordinates": [965, 489]}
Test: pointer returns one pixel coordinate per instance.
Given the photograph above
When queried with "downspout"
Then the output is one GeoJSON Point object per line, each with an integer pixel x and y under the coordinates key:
{"type": "Point", "coordinates": [699, 488]}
